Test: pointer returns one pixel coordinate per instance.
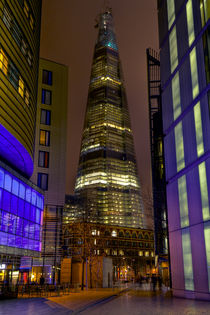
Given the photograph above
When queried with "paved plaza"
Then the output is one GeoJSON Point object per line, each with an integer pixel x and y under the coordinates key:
{"type": "Point", "coordinates": [106, 302]}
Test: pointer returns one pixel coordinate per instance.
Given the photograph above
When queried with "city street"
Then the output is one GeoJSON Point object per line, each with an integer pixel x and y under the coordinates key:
{"type": "Point", "coordinates": [137, 302]}
{"type": "Point", "coordinates": [106, 302]}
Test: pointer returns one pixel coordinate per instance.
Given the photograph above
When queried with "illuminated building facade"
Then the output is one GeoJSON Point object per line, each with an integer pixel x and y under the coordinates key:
{"type": "Point", "coordinates": [50, 156]}
{"type": "Point", "coordinates": [21, 202]}
{"type": "Point", "coordinates": [130, 249]}
{"type": "Point", "coordinates": [184, 33]}
{"type": "Point", "coordinates": [107, 180]}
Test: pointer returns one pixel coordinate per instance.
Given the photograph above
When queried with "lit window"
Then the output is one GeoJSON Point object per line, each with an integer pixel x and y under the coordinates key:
{"type": "Point", "coordinates": [47, 77]}
{"type": "Point", "coordinates": [3, 62]}
{"type": "Point", "coordinates": [46, 97]}
{"type": "Point", "coordinates": [31, 22]}
{"type": "Point", "coordinates": [194, 73]}
{"type": "Point", "coordinates": [205, 11]}
{"type": "Point", "coordinates": [146, 254]}
{"type": "Point", "coordinates": [42, 181]}
{"type": "Point", "coordinates": [171, 12]}
{"type": "Point", "coordinates": [176, 96]}
{"type": "Point", "coordinates": [26, 8]}
{"type": "Point", "coordinates": [93, 232]}
{"type": "Point", "coordinates": [44, 138]}
{"type": "Point", "coordinates": [190, 22]}
{"type": "Point", "coordinates": [43, 159]}
{"type": "Point", "coordinates": [198, 129]}
{"type": "Point", "coordinates": [21, 86]}
{"type": "Point", "coordinates": [45, 117]}
{"type": "Point", "coordinates": [187, 259]}
{"type": "Point", "coordinates": [183, 201]}
{"type": "Point", "coordinates": [207, 245]}
{"type": "Point", "coordinates": [179, 147]}
{"type": "Point", "coordinates": [204, 191]}
{"type": "Point", "coordinates": [114, 233]}
{"type": "Point", "coordinates": [173, 49]}
{"type": "Point", "coordinates": [27, 97]}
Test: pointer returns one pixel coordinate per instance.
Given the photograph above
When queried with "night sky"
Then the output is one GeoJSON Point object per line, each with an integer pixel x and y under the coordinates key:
{"type": "Point", "coordinates": [68, 36]}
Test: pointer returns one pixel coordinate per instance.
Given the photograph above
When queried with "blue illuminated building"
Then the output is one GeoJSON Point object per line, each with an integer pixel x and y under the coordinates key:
{"type": "Point", "coordinates": [21, 214]}
{"type": "Point", "coordinates": [184, 33]}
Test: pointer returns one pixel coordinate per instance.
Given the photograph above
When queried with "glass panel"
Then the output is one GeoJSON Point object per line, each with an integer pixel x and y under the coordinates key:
{"type": "Point", "coordinates": [183, 202]}
{"type": "Point", "coordinates": [171, 12]}
{"type": "Point", "coordinates": [187, 259]}
{"type": "Point", "coordinates": [176, 96]}
{"type": "Point", "coordinates": [204, 191]}
{"type": "Point", "coordinates": [190, 22]}
{"type": "Point", "coordinates": [198, 129]}
{"type": "Point", "coordinates": [1, 178]}
{"type": "Point", "coordinates": [3, 62]}
{"type": "Point", "coordinates": [207, 244]}
{"type": "Point", "coordinates": [194, 73]}
{"type": "Point", "coordinates": [8, 182]}
{"type": "Point", "coordinates": [173, 49]}
{"type": "Point", "coordinates": [22, 191]}
{"type": "Point", "coordinates": [15, 187]}
{"type": "Point", "coordinates": [179, 147]}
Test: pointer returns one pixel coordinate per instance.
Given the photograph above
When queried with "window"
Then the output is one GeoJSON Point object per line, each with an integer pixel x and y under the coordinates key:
{"type": "Point", "coordinates": [183, 201]}
{"type": "Point", "coordinates": [45, 117]}
{"type": "Point", "coordinates": [21, 86]}
{"type": "Point", "coordinates": [46, 97]}
{"type": "Point", "coordinates": [44, 138]}
{"type": "Point", "coordinates": [11, 71]}
{"type": "Point", "coordinates": [7, 18]}
{"type": "Point", "coordinates": [31, 22]}
{"type": "Point", "coordinates": [47, 77]}
{"type": "Point", "coordinates": [27, 97]}
{"type": "Point", "coordinates": [13, 76]}
{"type": "Point", "coordinates": [26, 8]}
{"type": "Point", "coordinates": [42, 181]}
{"type": "Point", "coordinates": [114, 233]}
{"type": "Point", "coordinates": [43, 159]}
{"type": "Point", "coordinates": [17, 33]}
{"type": "Point", "coordinates": [187, 259]}
{"type": "Point", "coordinates": [3, 62]}
{"type": "Point", "coordinates": [204, 191]}
{"type": "Point", "coordinates": [180, 161]}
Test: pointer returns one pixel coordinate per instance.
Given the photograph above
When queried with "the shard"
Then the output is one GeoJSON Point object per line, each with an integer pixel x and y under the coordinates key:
{"type": "Point", "coordinates": [107, 180]}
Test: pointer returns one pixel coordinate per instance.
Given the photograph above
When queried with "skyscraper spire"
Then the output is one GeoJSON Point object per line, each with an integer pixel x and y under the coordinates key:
{"type": "Point", "coordinates": [107, 179]}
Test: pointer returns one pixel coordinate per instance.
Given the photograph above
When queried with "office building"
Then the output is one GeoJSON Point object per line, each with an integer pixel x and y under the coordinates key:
{"type": "Point", "coordinates": [107, 181]}
{"type": "Point", "coordinates": [50, 158]}
{"type": "Point", "coordinates": [184, 35]}
{"type": "Point", "coordinates": [21, 202]}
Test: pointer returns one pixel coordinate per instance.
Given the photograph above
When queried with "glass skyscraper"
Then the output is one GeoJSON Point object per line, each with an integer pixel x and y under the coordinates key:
{"type": "Point", "coordinates": [107, 181]}
{"type": "Point", "coordinates": [184, 33]}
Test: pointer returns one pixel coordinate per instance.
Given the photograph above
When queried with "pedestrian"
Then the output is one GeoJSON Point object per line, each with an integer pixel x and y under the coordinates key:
{"type": "Point", "coordinates": [159, 279]}
{"type": "Point", "coordinates": [42, 280]}
{"type": "Point", "coordinates": [154, 281]}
